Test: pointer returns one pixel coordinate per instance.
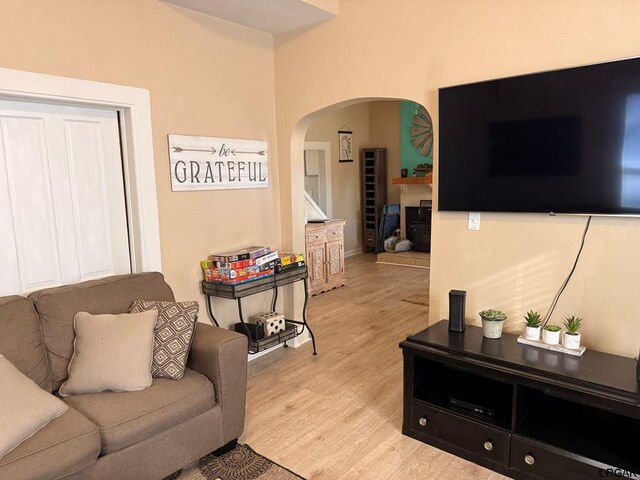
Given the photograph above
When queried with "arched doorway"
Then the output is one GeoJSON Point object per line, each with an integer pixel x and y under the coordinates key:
{"type": "Point", "coordinates": [383, 116]}
{"type": "Point", "coordinates": [292, 181]}
{"type": "Point", "coordinates": [398, 130]}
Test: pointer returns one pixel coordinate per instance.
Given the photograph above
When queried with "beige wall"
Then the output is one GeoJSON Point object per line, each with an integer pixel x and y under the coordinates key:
{"type": "Point", "coordinates": [374, 124]}
{"type": "Point", "coordinates": [209, 77]}
{"type": "Point", "coordinates": [385, 132]}
{"type": "Point", "coordinates": [332, 6]}
{"type": "Point", "coordinates": [205, 76]}
{"type": "Point", "coordinates": [409, 48]}
{"type": "Point", "coordinates": [345, 177]}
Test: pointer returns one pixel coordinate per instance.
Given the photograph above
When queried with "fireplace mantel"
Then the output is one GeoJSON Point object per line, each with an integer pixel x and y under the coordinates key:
{"type": "Point", "coordinates": [426, 180]}
{"type": "Point", "coordinates": [412, 190]}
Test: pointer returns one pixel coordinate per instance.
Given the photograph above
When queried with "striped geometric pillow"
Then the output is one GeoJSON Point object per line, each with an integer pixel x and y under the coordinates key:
{"type": "Point", "coordinates": [173, 335]}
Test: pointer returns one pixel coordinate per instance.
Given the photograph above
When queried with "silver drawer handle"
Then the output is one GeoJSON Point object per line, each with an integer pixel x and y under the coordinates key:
{"type": "Point", "coordinates": [422, 421]}
{"type": "Point", "coordinates": [488, 446]}
{"type": "Point", "coordinates": [529, 460]}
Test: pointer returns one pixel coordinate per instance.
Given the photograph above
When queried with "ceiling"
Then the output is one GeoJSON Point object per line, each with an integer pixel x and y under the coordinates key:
{"type": "Point", "coordinates": [273, 16]}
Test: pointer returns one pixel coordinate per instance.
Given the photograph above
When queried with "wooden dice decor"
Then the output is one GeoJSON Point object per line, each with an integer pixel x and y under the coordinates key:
{"type": "Point", "coordinates": [273, 322]}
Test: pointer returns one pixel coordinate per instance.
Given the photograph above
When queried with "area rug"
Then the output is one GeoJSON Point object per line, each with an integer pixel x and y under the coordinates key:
{"type": "Point", "coordinates": [241, 463]}
{"type": "Point", "coordinates": [420, 298]}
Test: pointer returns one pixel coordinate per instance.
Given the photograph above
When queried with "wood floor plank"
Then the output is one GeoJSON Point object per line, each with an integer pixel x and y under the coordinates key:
{"type": "Point", "coordinates": [383, 460]}
{"type": "Point", "coordinates": [338, 415]}
{"type": "Point", "coordinates": [461, 469]}
{"type": "Point", "coordinates": [426, 463]}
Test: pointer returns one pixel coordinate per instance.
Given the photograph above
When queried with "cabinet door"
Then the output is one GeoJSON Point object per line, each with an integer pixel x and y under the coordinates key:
{"type": "Point", "coordinates": [316, 265]}
{"type": "Point", "coordinates": [335, 260]}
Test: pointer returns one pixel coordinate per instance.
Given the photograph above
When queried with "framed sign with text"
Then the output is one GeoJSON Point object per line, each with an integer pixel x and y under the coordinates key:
{"type": "Point", "coordinates": [213, 163]}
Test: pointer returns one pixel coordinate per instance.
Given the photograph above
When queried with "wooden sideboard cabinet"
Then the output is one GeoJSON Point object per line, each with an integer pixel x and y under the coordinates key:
{"type": "Point", "coordinates": [325, 255]}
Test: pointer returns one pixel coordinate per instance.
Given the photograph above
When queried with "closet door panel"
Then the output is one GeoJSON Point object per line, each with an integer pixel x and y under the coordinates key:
{"type": "Point", "coordinates": [28, 235]}
{"type": "Point", "coordinates": [62, 201]}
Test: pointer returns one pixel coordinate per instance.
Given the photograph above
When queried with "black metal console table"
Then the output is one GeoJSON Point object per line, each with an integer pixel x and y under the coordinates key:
{"type": "Point", "coordinates": [238, 292]}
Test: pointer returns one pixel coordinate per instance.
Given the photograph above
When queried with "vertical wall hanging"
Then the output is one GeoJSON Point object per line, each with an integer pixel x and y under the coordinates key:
{"type": "Point", "coordinates": [345, 144]}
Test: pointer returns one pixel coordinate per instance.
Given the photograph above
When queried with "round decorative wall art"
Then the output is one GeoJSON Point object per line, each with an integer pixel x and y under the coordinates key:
{"type": "Point", "coordinates": [421, 132]}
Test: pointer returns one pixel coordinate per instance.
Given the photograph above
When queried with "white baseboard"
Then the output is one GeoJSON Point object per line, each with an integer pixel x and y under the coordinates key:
{"type": "Point", "coordinates": [351, 253]}
{"type": "Point", "coordinates": [294, 343]}
{"type": "Point", "coordinates": [266, 352]}
{"type": "Point", "coordinates": [300, 339]}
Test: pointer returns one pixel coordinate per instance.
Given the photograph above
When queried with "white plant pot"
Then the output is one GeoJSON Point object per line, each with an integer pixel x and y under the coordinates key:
{"type": "Point", "coordinates": [532, 333]}
{"type": "Point", "coordinates": [550, 338]}
{"type": "Point", "coordinates": [571, 341]}
{"type": "Point", "coordinates": [492, 328]}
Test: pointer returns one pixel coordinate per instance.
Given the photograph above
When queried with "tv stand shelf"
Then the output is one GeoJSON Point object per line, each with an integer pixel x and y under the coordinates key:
{"type": "Point", "coordinates": [521, 411]}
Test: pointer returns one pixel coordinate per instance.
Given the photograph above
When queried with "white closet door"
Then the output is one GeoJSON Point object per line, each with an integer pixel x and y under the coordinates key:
{"type": "Point", "coordinates": [62, 204]}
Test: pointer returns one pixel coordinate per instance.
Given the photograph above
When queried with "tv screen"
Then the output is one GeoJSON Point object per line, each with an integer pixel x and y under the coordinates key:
{"type": "Point", "coordinates": [565, 141]}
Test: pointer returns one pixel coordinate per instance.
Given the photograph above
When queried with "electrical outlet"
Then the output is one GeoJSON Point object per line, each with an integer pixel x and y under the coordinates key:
{"type": "Point", "coordinates": [474, 221]}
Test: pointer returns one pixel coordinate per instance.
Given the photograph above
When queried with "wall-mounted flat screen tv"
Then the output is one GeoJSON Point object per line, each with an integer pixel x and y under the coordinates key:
{"type": "Point", "coordinates": [565, 141]}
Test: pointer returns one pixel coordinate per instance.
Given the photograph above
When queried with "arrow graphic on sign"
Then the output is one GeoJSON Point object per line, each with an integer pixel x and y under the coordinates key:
{"type": "Point", "coordinates": [259, 152]}
{"type": "Point", "coordinates": [207, 150]}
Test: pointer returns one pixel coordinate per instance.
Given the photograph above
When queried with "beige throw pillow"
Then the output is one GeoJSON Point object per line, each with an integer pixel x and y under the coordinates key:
{"type": "Point", "coordinates": [111, 352]}
{"type": "Point", "coordinates": [25, 408]}
{"type": "Point", "coordinates": [173, 335]}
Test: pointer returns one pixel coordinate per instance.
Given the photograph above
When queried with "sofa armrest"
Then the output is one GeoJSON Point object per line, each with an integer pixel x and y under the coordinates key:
{"type": "Point", "coordinates": [221, 355]}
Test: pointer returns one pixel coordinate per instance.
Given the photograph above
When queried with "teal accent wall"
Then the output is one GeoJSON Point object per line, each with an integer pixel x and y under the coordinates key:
{"type": "Point", "coordinates": [409, 156]}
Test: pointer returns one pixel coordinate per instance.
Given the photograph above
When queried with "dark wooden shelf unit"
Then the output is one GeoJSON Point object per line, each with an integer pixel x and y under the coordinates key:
{"type": "Point", "coordinates": [373, 185]}
{"type": "Point", "coordinates": [521, 411]}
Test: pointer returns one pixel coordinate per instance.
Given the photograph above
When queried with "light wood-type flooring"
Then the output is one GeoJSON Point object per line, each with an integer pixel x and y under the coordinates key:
{"type": "Point", "coordinates": [338, 415]}
{"type": "Point", "coordinates": [409, 259]}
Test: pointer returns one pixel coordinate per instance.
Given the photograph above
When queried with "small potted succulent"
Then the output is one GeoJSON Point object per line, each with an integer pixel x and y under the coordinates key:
{"type": "Point", "coordinates": [492, 323]}
{"type": "Point", "coordinates": [551, 334]}
{"type": "Point", "coordinates": [571, 337]}
{"type": "Point", "coordinates": [422, 169]}
{"type": "Point", "coordinates": [532, 325]}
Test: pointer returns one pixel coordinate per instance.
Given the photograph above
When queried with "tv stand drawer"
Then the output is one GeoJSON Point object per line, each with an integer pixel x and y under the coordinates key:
{"type": "Point", "coordinates": [481, 441]}
{"type": "Point", "coordinates": [544, 461]}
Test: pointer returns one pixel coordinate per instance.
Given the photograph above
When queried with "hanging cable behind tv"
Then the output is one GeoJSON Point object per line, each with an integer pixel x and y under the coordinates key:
{"type": "Point", "coordinates": [547, 317]}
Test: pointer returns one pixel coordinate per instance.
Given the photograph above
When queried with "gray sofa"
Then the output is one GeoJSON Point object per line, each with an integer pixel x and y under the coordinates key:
{"type": "Point", "coordinates": [132, 435]}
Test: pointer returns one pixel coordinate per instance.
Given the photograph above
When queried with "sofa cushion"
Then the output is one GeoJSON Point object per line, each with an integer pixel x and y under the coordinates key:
{"type": "Point", "coordinates": [111, 352]}
{"type": "Point", "coordinates": [25, 408]}
{"type": "Point", "coordinates": [67, 444]}
{"type": "Point", "coordinates": [21, 339]}
{"type": "Point", "coordinates": [173, 335]}
{"type": "Point", "coordinates": [57, 307]}
{"type": "Point", "coordinates": [128, 417]}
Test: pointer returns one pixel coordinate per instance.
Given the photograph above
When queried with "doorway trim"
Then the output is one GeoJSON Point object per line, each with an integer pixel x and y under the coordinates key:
{"type": "Point", "coordinates": [326, 148]}
{"type": "Point", "coordinates": [134, 108]}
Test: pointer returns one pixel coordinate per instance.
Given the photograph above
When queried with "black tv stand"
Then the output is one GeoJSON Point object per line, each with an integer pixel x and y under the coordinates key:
{"type": "Point", "coordinates": [522, 411]}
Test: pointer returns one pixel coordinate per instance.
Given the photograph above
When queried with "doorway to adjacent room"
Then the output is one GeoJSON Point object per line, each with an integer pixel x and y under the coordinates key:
{"type": "Point", "coordinates": [401, 132]}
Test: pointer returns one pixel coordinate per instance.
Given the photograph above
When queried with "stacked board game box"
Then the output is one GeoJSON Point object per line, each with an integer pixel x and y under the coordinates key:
{"type": "Point", "coordinates": [238, 267]}
{"type": "Point", "coordinates": [268, 258]}
{"type": "Point", "coordinates": [288, 260]}
{"type": "Point", "coordinates": [249, 253]}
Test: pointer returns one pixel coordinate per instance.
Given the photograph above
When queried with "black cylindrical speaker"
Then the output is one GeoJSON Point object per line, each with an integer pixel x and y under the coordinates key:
{"type": "Point", "coordinates": [456, 310]}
